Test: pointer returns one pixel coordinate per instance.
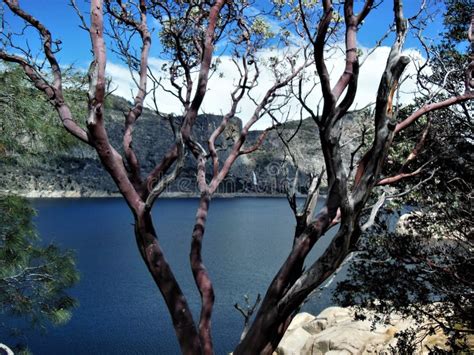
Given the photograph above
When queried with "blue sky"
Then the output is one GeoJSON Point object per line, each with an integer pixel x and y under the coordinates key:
{"type": "Point", "coordinates": [61, 19]}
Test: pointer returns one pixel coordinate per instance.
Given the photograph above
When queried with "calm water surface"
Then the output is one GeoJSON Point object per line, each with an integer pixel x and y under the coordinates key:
{"type": "Point", "coordinates": [121, 311]}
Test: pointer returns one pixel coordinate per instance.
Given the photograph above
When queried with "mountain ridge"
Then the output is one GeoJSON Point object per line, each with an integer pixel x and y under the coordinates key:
{"type": "Point", "coordinates": [77, 172]}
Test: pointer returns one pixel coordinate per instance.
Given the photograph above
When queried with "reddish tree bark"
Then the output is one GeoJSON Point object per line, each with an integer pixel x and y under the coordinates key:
{"type": "Point", "coordinates": [291, 285]}
{"type": "Point", "coordinates": [346, 198]}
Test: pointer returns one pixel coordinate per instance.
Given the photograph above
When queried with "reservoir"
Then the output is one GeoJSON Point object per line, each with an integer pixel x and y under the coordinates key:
{"type": "Point", "coordinates": [120, 308]}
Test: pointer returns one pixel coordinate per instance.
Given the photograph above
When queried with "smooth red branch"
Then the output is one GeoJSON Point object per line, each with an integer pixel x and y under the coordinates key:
{"type": "Point", "coordinates": [371, 163]}
{"type": "Point", "coordinates": [141, 27]}
{"type": "Point", "coordinates": [365, 11]}
{"type": "Point", "coordinates": [46, 39]}
{"type": "Point", "coordinates": [432, 107]}
{"type": "Point", "coordinates": [109, 157]}
{"type": "Point", "coordinates": [97, 69]}
{"type": "Point", "coordinates": [164, 278]}
{"type": "Point", "coordinates": [393, 179]}
{"type": "Point", "coordinates": [155, 188]}
{"type": "Point", "coordinates": [350, 70]}
{"type": "Point", "coordinates": [419, 146]}
{"type": "Point", "coordinates": [53, 90]}
{"type": "Point", "coordinates": [225, 120]}
{"type": "Point", "coordinates": [191, 112]}
{"type": "Point", "coordinates": [203, 77]}
{"type": "Point", "coordinates": [201, 275]}
{"type": "Point", "coordinates": [136, 111]}
{"type": "Point", "coordinates": [319, 56]}
{"type": "Point", "coordinates": [62, 108]}
{"type": "Point", "coordinates": [160, 170]}
{"type": "Point", "coordinates": [413, 154]}
{"type": "Point", "coordinates": [236, 149]}
{"type": "Point", "coordinates": [257, 144]}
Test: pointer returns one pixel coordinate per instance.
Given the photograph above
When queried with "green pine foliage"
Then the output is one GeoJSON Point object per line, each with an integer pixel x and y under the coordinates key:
{"type": "Point", "coordinates": [28, 125]}
{"type": "Point", "coordinates": [33, 278]}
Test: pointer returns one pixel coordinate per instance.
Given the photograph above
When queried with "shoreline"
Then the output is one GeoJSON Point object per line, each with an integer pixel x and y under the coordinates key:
{"type": "Point", "coordinates": [56, 194]}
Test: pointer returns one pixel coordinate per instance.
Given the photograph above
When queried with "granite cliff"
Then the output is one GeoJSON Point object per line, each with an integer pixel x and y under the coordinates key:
{"type": "Point", "coordinates": [77, 171]}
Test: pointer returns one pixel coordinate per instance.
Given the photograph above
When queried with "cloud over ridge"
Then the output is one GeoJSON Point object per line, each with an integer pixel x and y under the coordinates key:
{"type": "Point", "coordinates": [221, 84]}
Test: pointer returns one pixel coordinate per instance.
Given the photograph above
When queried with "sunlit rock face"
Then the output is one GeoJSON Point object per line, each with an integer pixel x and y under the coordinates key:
{"type": "Point", "coordinates": [335, 331]}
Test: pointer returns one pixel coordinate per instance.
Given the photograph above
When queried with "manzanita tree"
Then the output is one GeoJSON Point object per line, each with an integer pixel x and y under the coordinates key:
{"type": "Point", "coordinates": [189, 32]}
{"type": "Point", "coordinates": [424, 268]}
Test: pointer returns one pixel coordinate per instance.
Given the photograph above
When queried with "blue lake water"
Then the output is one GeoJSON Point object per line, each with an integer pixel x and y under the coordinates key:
{"type": "Point", "coordinates": [121, 311]}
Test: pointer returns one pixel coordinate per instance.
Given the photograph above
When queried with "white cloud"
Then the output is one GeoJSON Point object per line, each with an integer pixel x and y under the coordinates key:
{"type": "Point", "coordinates": [122, 81]}
{"type": "Point", "coordinates": [372, 70]}
{"type": "Point", "coordinates": [217, 99]}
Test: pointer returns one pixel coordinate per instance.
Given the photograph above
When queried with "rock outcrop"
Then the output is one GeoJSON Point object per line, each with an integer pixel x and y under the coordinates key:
{"type": "Point", "coordinates": [335, 331]}
{"type": "Point", "coordinates": [78, 172]}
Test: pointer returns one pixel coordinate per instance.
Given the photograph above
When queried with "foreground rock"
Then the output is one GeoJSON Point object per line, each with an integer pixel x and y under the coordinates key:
{"type": "Point", "coordinates": [334, 331]}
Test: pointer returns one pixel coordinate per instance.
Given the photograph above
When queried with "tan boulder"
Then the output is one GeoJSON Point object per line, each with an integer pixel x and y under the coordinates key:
{"type": "Point", "coordinates": [295, 336]}
{"type": "Point", "coordinates": [334, 331]}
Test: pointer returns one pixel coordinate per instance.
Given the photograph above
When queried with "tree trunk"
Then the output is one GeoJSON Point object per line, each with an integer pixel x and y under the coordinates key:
{"type": "Point", "coordinates": [201, 276]}
{"type": "Point", "coordinates": [160, 270]}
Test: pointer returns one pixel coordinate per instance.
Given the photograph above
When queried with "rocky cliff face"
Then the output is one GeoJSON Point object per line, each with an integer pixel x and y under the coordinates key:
{"type": "Point", "coordinates": [77, 172]}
